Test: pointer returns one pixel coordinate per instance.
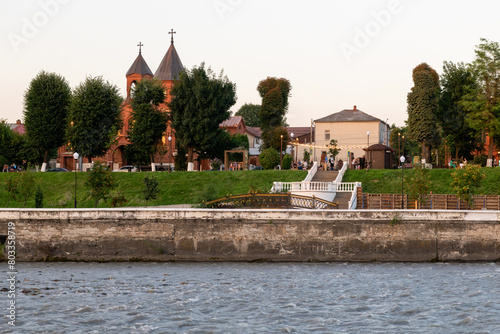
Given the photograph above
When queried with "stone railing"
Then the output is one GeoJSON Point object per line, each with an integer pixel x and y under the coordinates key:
{"type": "Point", "coordinates": [340, 176]}
{"type": "Point", "coordinates": [353, 202]}
{"type": "Point", "coordinates": [311, 172]}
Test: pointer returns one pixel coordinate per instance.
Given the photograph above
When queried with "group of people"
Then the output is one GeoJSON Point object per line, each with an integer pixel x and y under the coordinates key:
{"type": "Point", "coordinates": [300, 165]}
{"type": "Point", "coordinates": [359, 163]}
{"type": "Point", "coordinates": [6, 168]}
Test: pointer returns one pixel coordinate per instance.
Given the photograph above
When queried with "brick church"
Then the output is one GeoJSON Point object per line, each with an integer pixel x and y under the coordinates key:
{"type": "Point", "coordinates": [168, 71]}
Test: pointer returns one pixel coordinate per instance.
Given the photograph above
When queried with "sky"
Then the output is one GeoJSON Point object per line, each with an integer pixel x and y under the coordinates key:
{"type": "Point", "coordinates": [335, 53]}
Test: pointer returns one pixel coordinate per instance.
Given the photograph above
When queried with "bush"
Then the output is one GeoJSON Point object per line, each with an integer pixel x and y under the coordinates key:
{"type": "Point", "coordinates": [38, 197]}
{"type": "Point", "coordinates": [151, 188]}
{"type": "Point", "coordinates": [466, 181]}
{"type": "Point", "coordinates": [215, 164]}
{"type": "Point", "coordinates": [269, 158]}
{"type": "Point", "coordinates": [287, 161]}
{"type": "Point", "coordinates": [100, 181]}
{"type": "Point", "coordinates": [480, 160]}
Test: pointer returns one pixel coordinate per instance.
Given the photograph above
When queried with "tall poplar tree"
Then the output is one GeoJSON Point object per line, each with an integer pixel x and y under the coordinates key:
{"type": "Point", "coordinates": [456, 81]}
{"type": "Point", "coordinates": [94, 117]}
{"type": "Point", "coordinates": [483, 100]}
{"type": "Point", "coordinates": [201, 101]}
{"type": "Point", "coordinates": [274, 93]}
{"type": "Point", "coordinates": [46, 103]}
{"type": "Point", "coordinates": [422, 107]}
{"type": "Point", "coordinates": [148, 122]}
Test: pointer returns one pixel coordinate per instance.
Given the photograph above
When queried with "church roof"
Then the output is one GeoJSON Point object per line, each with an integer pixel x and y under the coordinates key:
{"type": "Point", "coordinates": [348, 115]}
{"type": "Point", "coordinates": [171, 65]}
{"type": "Point", "coordinates": [139, 67]}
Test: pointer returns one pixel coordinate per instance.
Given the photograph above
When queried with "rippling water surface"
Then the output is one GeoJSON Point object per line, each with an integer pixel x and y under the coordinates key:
{"type": "Point", "coordinates": [255, 298]}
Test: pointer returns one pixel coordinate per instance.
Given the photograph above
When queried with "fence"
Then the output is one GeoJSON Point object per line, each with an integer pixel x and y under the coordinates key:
{"type": "Point", "coordinates": [270, 201]}
{"type": "Point", "coordinates": [432, 201]}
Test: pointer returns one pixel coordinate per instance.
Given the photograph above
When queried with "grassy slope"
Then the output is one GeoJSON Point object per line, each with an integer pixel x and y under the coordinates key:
{"type": "Point", "coordinates": [389, 181]}
{"type": "Point", "coordinates": [176, 188]}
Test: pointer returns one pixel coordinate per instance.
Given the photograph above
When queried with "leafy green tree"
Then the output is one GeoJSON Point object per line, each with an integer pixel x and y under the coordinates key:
{"type": "Point", "coordinates": [11, 186]}
{"type": "Point", "coordinates": [333, 149]}
{"type": "Point", "coordinates": [180, 160]}
{"type": "Point", "coordinates": [417, 184]}
{"type": "Point", "coordinates": [307, 156]}
{"type": "Point", "coordinates": [483, 99]}
{"type": "Point", "coordinates": [148, 122]}
{"type": "Point", "coordinates": [151, 188]}
{"type": "Point", "coordinates": [100, 182]}
{"type": "Point", "coordinates": [287, 161]}
{"type": "Point", "coordinates": [26, 183]}
{"type": "Point", "coordinates": [200, 102]}
{"type": "Point", "coordinates": [46, 103]}
{"type": "Point", "coordinates": [269, 158]}
{"type": "Point", "coordinates": [6, 142]}
{"type": "Point", "coordinates": [250, 113]}
{"type": "Point", "coordinates": [38, 197]}
{"type": "Point", "coordinates": [276, 138]}
{"type": "Point", "coordinates": [466, 182]}
{"type": "Point", "coordinates": [274, 93]}
{"type": "Point", "coordinates": [456, 82]}
{"type": "Point", "coordinates": [422, 107]}
{"type": "Point", "coordinates": [94, 117]}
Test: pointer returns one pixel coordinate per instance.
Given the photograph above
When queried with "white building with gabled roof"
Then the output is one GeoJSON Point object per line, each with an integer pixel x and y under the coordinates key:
{"type": "Point", "coordinates": [354, 131]}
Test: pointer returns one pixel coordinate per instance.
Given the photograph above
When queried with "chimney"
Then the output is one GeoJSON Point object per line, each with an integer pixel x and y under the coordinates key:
{"type": "Point", "coordinates": [18, 122]}
{"type": "Point", "coordinates": [354, 108]}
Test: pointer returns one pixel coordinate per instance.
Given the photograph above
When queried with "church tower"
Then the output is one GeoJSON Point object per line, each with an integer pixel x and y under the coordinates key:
{"type": "Point", "coordinates": [137, 71]}
{"type": "Point", "coordinates": [170, 67]}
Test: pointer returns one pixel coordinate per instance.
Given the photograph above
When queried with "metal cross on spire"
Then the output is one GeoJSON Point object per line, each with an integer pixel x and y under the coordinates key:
{"type": "Point", "coordinates": [140, 45]}
{"type": "Point", "coordinates": [172, 32]}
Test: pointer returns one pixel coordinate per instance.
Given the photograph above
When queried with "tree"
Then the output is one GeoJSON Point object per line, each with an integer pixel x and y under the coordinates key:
{"type": "Point", "coordinates": [100, 182]}
{"type": "Point", "coordinates": [94, 117]}
{"type": "Point", "coordinates": [26, 185]}
{"type": "Point", "coordinates": [483, 98]}
{"type": "Point", "coordinates": [250, 113]}
{"type": "Point", "coordinates": [200, 102]}
{"type": "Point", "coordinates": [274, 93]}
{"type": "Point", "coordinates": [422, 107]}
{"type": "Point", "coordinates": [273, 138]}
{"type": "Point", "coordinates": [417, 185]}
{"type": "Point", "coordinates": [148, 122]}
{"type": "Point", "coordinates": [456, 81]}
{"type": "Point", "coordinates": [333, 149]}
{"type": "Point", "coordinates": [269, 158]}
{"type": "Point", "coordinates": [466, 181]}
{"type": "Point", "coordinates": [151, 188]}
{"type": "Point", "coordinates": [46, 103]}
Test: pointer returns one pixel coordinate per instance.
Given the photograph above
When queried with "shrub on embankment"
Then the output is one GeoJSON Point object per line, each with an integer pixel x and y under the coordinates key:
{"type": "Point", "coordinates": [175, 188]}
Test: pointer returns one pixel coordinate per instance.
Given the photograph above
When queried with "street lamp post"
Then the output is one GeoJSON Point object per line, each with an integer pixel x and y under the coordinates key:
{"type": "Point", "coordinates": [293, 157]}
{"type": "Point", "coordinates": [281, 152]}
{"type": "Point", "coordinates": [170, 153]}
{"type": "Point", "coordinates": [368, 152]}
{"type": "Point", "coordinates": [76, 156]}
{"type": "Point", "coordinates": [402, 159]}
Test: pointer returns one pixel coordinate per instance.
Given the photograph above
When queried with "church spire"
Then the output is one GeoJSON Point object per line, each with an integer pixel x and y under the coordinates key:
{"type": "Point", "coordinates": [171, 65]}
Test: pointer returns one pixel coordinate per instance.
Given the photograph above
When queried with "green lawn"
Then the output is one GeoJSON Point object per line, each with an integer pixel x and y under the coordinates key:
{"type": "Point", "coordinates": [387, 181]}
{"type": "Point", "coordinates": [175, 188]}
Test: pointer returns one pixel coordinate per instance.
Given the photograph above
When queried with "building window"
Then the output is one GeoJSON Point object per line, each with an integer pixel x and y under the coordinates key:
{"type": "Point", "coordinates": [327, 135]}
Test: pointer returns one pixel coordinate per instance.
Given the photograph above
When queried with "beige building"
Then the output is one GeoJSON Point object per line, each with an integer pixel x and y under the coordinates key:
{"type": "Point", "coordinates": [354, 131]}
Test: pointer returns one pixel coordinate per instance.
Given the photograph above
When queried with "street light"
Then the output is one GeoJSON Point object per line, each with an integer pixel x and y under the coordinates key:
{"type": "Point", "coordinates": [76, 156]}
{"type": "Point", "coordinates": [402, 159]}
{"type": "Point", "coordinates": [367, 152]}
{"type": "Point", "coordinates": [293, 158]}
{"type": "Point", "coordinates": [281, 152]}
{"type": "Point", "coordinates": [170, 153]}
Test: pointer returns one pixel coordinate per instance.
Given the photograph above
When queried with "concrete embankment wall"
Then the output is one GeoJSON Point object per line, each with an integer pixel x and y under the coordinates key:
{"type": "Point", "coordinates": [253, 235]}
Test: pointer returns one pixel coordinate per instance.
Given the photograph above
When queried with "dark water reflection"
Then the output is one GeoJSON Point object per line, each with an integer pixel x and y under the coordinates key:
{"type": "Point", "coordinates": [255, 298]}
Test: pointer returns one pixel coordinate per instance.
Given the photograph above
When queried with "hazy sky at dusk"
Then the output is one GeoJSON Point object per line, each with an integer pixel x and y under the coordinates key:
{"type": "Point", "coordinates": [336, 54]}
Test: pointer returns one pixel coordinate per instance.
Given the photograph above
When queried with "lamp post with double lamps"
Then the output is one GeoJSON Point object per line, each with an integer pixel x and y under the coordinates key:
{"type": "Point", "coordinates": [402, 159]}
{"type": "Point", "coordinates": [76, 156]}
{"type": "Point", "coordinates": [170, 153]}
{"type": "Point", "coordinates": [281, 152]}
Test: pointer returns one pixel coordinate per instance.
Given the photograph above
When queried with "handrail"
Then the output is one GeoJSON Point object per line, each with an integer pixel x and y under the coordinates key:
{"type": "Point", "coordinates": [311, 172]}
{"type": "Point", "coordinates": [340, 176]}
{"type": "Point", "coordinates": [353, 202]}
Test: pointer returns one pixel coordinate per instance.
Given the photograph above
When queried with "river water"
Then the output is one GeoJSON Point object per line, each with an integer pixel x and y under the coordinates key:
{"type": "Point", "coordinates": [254, 298]}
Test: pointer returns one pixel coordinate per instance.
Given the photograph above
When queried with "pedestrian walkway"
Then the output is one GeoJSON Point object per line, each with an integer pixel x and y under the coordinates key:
{"type": "Point", "coordinates": [325, 176]}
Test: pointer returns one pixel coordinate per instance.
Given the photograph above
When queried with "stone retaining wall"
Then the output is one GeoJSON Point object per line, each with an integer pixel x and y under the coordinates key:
{"type": "Point", "coordinates": [253, 235]}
